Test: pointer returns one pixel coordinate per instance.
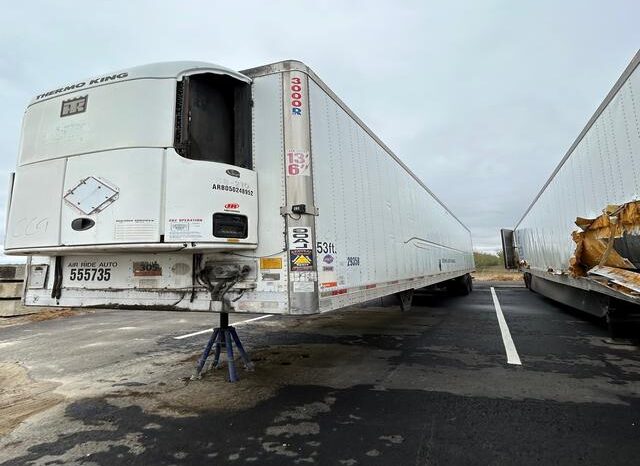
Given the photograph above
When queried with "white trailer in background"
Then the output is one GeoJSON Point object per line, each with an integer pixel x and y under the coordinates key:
{"type": "Point", "coordinates": [579, 240]}
{"type": "Point", "coordinates": [173, 185]}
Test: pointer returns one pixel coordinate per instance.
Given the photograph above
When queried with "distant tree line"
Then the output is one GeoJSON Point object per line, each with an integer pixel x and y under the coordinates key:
{"type": "Point", "coordinates": [485, 259]}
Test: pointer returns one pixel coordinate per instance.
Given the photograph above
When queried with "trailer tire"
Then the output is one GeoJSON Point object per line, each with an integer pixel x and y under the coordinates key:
{"type": "Point", "coordinates": [467, 286]}
{"type": "Point", "coordinates": [623, 320]}
{"type": "Point", "coordinates": [615, 325]}
{"type": "Point", "coordinates": [406, 298]}
{"type": "Point", "coordinates": [527, 280]}
{"type": "Point", "coordinates": [460, 286]}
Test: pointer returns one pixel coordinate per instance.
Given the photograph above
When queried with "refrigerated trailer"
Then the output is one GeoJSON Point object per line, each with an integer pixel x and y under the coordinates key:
{"type": "Point", "coordinates": [189, 186]}
{"type": "Point", "coordinates": [579, 240]}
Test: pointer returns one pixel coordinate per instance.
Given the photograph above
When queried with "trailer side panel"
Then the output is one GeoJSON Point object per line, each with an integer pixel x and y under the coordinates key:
{"type": "Point", "coordinates": [379, 231]}
{"type": "Point", "coordinates": [581, 232]}
{"type": "Point", "coordinates": [602, 168]}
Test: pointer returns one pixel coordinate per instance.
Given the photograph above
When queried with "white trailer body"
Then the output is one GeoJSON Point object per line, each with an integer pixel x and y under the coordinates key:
{"type": "Point", "coordinates": [578, 242]}
{"type": "Point", "coordinates": [162, 185]}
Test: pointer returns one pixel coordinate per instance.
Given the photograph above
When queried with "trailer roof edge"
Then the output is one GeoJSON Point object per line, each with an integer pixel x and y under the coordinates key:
{"type": "Point", "coordinates": [635, 61]}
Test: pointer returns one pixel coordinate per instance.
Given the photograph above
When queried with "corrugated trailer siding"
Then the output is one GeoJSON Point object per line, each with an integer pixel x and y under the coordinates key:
{"type": "Point", "coordinates": [371, 208]}
{"type": "Point", "coordinates": [602, 169]}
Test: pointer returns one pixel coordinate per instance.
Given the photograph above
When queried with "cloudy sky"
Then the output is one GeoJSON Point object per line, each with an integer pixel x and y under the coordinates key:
{"type": "Point", "coordinates": [479, 98]}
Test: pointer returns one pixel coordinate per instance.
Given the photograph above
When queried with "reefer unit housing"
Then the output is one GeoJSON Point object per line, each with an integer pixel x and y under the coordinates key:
{"type": "Point", "coordinates": [579, 240]}
{"type": "Point", "coordinates": [186, 185]}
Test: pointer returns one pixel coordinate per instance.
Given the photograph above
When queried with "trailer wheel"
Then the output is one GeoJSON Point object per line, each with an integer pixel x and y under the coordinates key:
{"type": "Point", "coordinates": [460, 286]}
{"type": "Point", "coordinates": [467, 285]}
{"type": "Point", "coordinates": [615, 325]}
{"type": "Point", "coordinates": [406, 298]}
{"type": "Point", "coordinates": [623, 320]}
{"type": "Point", "coordinates": [527, 280]}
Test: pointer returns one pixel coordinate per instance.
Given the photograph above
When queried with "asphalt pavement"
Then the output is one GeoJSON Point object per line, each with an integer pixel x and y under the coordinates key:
{"type": "Point", "coordinates": [498, 377]}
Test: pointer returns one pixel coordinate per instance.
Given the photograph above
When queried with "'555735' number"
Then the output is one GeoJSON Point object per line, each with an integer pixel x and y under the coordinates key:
{"type": "Point", "coordinates": [90, 274]}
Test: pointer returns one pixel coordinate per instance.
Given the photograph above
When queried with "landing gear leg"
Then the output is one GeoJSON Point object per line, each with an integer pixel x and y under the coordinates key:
{"type": "Point", "coordinates": [226, 336]}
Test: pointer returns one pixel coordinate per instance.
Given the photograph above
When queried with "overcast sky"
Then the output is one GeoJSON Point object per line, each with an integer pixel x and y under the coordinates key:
{"type": "Point", "coordinates": [481, 99]}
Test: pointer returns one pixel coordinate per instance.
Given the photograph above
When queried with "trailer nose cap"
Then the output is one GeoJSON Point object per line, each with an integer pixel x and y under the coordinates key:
{"type": "Point", "coordinates": [82, 224]}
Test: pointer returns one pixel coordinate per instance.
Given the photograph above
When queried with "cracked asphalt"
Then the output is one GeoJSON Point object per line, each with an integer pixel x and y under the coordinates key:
{"type": "Point", "coordinates": [360, 386]}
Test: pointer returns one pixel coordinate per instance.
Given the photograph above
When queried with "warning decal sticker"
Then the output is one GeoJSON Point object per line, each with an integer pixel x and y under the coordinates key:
{"type": "Point", "coordinates": [270, 263]}
{"type": "Point", "coordinates": [300, 252]}
{"type": "Point", "coordinates": [301, 259]}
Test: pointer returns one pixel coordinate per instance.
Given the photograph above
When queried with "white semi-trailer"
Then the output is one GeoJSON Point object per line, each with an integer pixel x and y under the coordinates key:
{"type": "Point", "coordinates": [189, 186]}
{"type": "Point", "coordinates": [579, 240]}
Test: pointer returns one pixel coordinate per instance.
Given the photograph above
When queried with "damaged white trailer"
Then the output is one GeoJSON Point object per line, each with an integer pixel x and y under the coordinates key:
{"type": "Point", "coordinates": [579, 241]}
{"type": "Point", "coordinates": [189, 186]}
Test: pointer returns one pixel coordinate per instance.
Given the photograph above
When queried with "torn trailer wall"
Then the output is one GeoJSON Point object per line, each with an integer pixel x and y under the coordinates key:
{"type": "Point", "coordinates": [596, 186]}
{"type": "Point", "coordinates": [612, 240]}
{"type": "Point", "coordinates": [608, 248]}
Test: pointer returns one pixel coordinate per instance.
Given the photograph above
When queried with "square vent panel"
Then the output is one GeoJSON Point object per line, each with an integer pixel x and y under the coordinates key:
{"type": "Point", "coordinates": [91, 196]}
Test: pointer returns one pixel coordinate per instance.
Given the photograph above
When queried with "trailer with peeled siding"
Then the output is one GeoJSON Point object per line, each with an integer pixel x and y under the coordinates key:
{"type": "Point", "coordinates": [189, 186]}
{"type": "Point", "coordinates": [579, 240]}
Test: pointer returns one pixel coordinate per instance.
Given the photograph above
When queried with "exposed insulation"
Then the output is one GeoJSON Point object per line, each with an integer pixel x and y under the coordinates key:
{"type": "Point", "coordinates": [594, 244]}
{"type": "Point", "coordinates": [622, 280]}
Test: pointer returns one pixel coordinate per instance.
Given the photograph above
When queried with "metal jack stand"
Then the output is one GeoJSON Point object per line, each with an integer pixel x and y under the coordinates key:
{"type": "Point", "coordinates": [223, 336]}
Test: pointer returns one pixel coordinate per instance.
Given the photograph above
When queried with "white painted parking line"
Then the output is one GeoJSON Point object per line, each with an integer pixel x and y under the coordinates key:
{"type": "Point", "coordinates": [235, 324]}
{"type": "Point", "coordinates": [509, 347]}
